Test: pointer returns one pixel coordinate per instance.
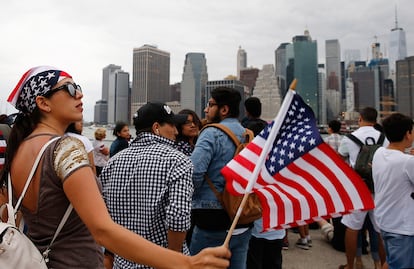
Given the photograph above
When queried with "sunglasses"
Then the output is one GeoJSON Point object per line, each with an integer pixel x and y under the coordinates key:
{"type": "Point", "coordinates": [71, 88]}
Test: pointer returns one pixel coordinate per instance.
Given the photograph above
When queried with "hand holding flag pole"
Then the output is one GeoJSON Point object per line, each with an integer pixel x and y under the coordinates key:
{"type": "Point", "coordinates": [272, 135]}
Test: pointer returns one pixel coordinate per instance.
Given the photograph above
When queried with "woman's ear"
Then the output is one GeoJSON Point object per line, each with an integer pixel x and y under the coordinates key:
{"type": "Point", "coordinates": [43, 104]}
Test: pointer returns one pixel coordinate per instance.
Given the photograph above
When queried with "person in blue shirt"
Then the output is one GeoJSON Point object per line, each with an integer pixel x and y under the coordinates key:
{"type": "Point", "coordinates": [121, 131]}
{"type": "Point", "coordinates": [213, 150]}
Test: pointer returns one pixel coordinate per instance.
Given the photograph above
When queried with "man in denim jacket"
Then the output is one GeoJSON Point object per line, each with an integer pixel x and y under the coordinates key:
{"type": "Point", "coordinates": [213, 150]}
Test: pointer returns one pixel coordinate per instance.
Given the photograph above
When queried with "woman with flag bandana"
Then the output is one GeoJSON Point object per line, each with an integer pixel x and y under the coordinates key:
{"type": "Point", "coordinates": [49, 100]}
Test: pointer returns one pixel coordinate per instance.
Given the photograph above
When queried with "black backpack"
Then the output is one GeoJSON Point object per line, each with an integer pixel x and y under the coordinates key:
{"type": "Point", "coordinates": [363, 163]}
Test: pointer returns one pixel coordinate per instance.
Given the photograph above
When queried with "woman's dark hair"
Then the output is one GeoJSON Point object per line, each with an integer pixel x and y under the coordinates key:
{"type": "Point", "coordinates": [196, 120]}
{"type": "Point", "coordinates": [118, 127]}
{"type": "Point", "coordinates": [23, 127]}
{"type": "Point", "coordinates": [72, 129]}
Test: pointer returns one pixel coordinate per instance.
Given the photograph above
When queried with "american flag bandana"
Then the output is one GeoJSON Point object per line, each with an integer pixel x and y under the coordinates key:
{"type": "Point", "coordinates": [37, 81]}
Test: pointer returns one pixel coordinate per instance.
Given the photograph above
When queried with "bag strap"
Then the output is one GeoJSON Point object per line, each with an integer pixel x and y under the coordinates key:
{"type": "Point", "coordinates": [19, 201]}
{"type": "Point", "coordinates": [213, 188]}
{"type": "Point", "coordinates": [65, 217]}
{"type": "Point", "coordinates": [355, 139]}
{"type": "Point", "coordinates": [360, 144]}
{"type": "Point", "coordinates": [248, 134]}
{"type": "Point", "coordinates": [381, 139]}
{"type": "Point", "coordinates": [29, 177]}
{"type": "Point", "coordinates": [226, 130]}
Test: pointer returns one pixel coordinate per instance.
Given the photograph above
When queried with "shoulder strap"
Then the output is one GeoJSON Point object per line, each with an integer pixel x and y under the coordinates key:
{"type": "Point", "coordinates": [29, 177]}
{"type": "Point", "coordinates": [226, 130]}
{"type": "Point", "coordinates": [28, 180]}
{"type": "Point", "coordinates": [355, 139]}
{"type": "Point", "coordinates": [381, 139]}
{"type": "Point", "coordinates": [65, 217]}
{"type": "Point", "coordinates": [212, 187]}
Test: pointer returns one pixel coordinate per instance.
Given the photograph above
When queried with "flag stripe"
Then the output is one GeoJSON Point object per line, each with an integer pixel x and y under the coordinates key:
{"type": "Point", "coordinates": [297, 177]}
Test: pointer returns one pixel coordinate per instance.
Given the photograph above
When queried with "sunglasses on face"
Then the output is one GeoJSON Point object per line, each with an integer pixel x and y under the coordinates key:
{"type": "Point", "coordinates": [71, 88]}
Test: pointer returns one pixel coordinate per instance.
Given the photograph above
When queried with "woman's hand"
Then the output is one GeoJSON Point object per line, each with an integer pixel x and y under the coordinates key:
{"type": "Point", "coordinates": [217, 258]}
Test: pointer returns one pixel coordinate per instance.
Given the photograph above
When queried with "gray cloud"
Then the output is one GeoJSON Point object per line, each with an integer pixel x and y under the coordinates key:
{"type": "Point", "coordinates": [82, 37]}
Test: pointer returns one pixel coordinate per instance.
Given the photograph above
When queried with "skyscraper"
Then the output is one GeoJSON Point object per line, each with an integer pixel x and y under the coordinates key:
{"type": "Point", "coordinates": [333, 64]}
{"type": "Point", "coordinates": [241, 60]}
{"type": "Point", "coordinates": [115, 91]}
{"type": "Point", "coordinates": [303, 65]}
{"type": "Point", "coordinates": [150, 75]}
{"type": "Point", "coordinates": [405, 85]}
{"type": "Point", "coordinates": [280, 66]}
{"type": "Point", "coordinates": [397, 48]}
{"type": "Point", "coordinates": [194, 81]}
{"type": "Point", "coordinates": [333, 78]}
{"type": "Point", "coordinates": [268, 92]}
{"type": "Point", "coordinates": [248, 76]}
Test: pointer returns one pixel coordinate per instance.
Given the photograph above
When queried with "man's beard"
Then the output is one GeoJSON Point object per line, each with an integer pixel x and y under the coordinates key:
{"type": "Point", "coordinates": [216, 118]}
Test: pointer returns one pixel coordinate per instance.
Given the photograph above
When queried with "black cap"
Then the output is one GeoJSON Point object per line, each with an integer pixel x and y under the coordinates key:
{"type": "Point", "coordinates": [153, 112]}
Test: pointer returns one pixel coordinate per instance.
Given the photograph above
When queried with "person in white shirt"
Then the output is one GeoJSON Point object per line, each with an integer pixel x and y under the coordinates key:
{"type": "Point", "coordinates": [393, 174]}
{"type": "Point", "coordinates": [100, 151]}
{"type": "Point", "coordinates": [349, 150]}
{"type": "Point", "coordinates": [75, 130]}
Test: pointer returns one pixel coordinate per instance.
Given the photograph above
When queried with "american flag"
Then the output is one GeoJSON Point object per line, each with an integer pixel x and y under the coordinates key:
{"type": "Point", "coordinates": [300, 178]}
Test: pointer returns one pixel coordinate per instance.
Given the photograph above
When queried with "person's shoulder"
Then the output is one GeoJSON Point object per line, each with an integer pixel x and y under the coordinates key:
{"type": "Point", "coordinates": [86, 142]}
{"type": "Point", "coordinates": [70, 141]}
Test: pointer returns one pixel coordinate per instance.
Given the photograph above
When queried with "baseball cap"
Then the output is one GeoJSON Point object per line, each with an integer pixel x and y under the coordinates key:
{"type": "Point", "coordinates": [153, 112]}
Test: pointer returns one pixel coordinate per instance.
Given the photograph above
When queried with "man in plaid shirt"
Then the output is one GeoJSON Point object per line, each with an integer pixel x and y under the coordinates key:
{"type": "Point", "coordinates": [148, 186]}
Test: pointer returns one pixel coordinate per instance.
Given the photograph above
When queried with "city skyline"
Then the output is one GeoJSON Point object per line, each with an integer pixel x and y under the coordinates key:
{"type": "Point", "coordinates": [84, 37]}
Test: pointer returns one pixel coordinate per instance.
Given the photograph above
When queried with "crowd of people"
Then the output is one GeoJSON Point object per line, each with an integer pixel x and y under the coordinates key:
{"type": "Point", "coordinates": [145, 203]}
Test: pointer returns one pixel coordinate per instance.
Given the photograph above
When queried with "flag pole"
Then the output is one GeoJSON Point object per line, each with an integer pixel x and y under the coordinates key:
{"type": "Point", "coordinates": [269, 141]}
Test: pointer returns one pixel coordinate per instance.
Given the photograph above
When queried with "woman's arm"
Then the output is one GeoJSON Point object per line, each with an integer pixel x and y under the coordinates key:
{"type": "Point", "coordinates": [82, 191]}
{"type": "Point", "coordinates": [92, 161]}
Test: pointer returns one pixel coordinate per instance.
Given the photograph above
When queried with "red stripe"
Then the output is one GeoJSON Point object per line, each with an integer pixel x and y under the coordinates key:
{"type": "Point", "coordinates": [280, 208]}
{"type": "Point", "coordinates": [294, 184]}
{"type": "Point", "coordinates": [245, 162]}
{"type": "Point", "coordinates": [230, 176]}
{"type": "Point", "coordinates": [252, 146]}
{"type": "Point", "coordinates": [16, 89]}
{"type": "Point", "coordinates": [352, 177]}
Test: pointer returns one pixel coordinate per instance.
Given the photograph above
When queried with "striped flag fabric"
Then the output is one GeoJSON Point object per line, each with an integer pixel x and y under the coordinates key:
{"type": "Point", "coordinates": [301, 179]}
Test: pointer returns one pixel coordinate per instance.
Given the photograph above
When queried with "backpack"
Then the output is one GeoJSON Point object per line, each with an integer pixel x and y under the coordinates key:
{"type": "Point", "coordinates": [363, 163]}
{"type": "Point", "coordinates": [16, 249]}
{"type": "Point", "coordinates": [252, 210]}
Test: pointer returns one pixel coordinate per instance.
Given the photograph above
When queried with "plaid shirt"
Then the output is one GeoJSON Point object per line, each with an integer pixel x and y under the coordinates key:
{"type": "Point", "coordinates": [148, 189]}
{"type": "Point", "coordinates": [333, 140]}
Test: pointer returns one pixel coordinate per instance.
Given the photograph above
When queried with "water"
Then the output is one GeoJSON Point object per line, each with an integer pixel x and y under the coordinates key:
{"type": "Point", "coordinates": [89, 132]}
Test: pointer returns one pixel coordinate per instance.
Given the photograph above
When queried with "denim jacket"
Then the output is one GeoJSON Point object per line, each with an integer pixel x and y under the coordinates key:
{"type": "Point", "coordinates": [213, 150]}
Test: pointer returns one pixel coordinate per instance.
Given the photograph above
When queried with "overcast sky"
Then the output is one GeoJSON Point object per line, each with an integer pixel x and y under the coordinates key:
{"type": "Point", "coordinates": [83, 36]}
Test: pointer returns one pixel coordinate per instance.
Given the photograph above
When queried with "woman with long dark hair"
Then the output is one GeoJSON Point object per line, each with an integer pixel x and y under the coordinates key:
{"type": "Point", "coordinates": [49, 100]}
{"type": "Point", "coordinates": [188, 129]}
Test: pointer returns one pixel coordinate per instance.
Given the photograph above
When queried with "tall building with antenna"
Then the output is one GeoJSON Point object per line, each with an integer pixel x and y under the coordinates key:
{"type": "Point", "coordinates": [397, 47]}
